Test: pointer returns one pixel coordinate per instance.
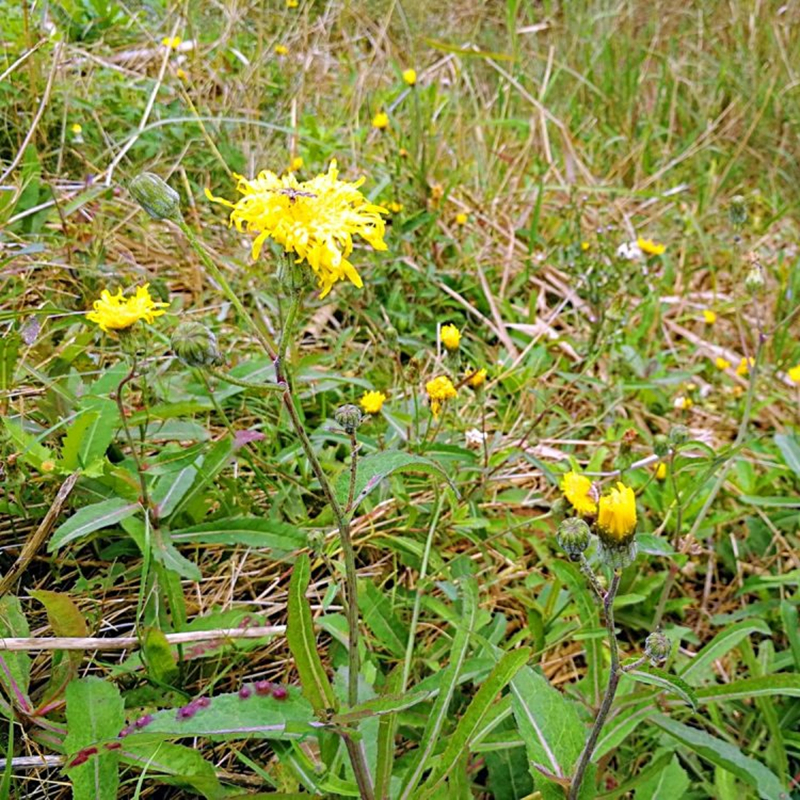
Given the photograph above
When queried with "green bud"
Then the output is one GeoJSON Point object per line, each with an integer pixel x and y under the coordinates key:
{"type": "Point", "coordinates": [738, 211]}
{"type": "Point", "coordinates": [657, 648]}
{"type": "Point", "coordinates": [678, 435]}
{"type": "Point", "coordinates": [755, 282]}
{"type": "Point", "coordinates": [661, 445]}
{"type": "Point", "coordinates": [618, 555]}
{"type": "Point", "coordinates": [349, 417]}
{"type": "Point", "coordinates": [573, 536]}
{"type": "Point", "coordinates": [195, 345]}
{"type": "Point", "coordinates": [158, 199]}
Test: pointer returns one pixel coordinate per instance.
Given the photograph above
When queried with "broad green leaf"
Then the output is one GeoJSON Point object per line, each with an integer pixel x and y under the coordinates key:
{"type": "Point", "coordinates": [91, 518]}
{"type": "Point", "coordinates": [31, 451]}
{"type": "Point", "coordinates": [387, 728]}
{"type": "Point", "coordinates": [458, 744]}
{"type": "Point", "coordinates": [171, 488]}
{"type": "Point", "coordinates": [671, 683]}
{"type": "Point", "coordinates": [783, 683]}
{"type": "Point", "coordinates": [249, 531]}
{"type": "Point", "coordinates": [447, 684]}
{"type": "Point", "coordinates": [376, 611]}
{"type": "Point", "coordinates": [789, 445]}
{"type": "Point", "coordinates": [670, 782]}
{"type": "Point", "coordinates": [165, 553]}
{"type": "Point", "coordinates": [508, 775]}
{"type": "Point", "coordinates": [721, 644]}
{"type": "Point", "coordinates": [549, 723]}
{"type": "Point", "coordinates": [94, 714]}
{"type": "Point", "coordinates": [621, 725]}
{"type": "Point", "coordinates": [302, 641]}
{"type": "Point", "coordinates": [15, 667]}
{"type": "Point", "coordinates": [374, 468]}
{"type": "Point", "coordinates": [725, 755]}
{"type": "Point", "coordinates": [158, 656]}
{"type": "Point", "coordinates": [214, 462]}
{"type": "Point", "coordinates": [89, 435]}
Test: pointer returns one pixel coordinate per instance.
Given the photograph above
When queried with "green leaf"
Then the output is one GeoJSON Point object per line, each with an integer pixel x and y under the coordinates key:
{"type": "Point", "coordinates": [671, 782]}
{"type": "Point", "coordinates": [31, 450]}
{"type": "Point", "coordinates": [89, 435]}
{"type": "Point", "coordinates": [376, 610]}
{"type": "Point", "coordinates": [789, 445]}
{"type": "Point", "coordinates": [302, 641]}
{"type": "Point", "coordinates": [249, 531]}
{"type": "Point", "coordinates": [781, 501]}
{"type": "Point", "coordinates": [672, 683]}
{"type": "Point", "coordinates": [15, 667]}
{"type": "Point", "coordinates": [722, 643]}
{"type": "Point", "coordinates": [783, 683]}
{"type": "Point", "coordinates": [213, 463]}
{"type": "Point", "coordinates": [380, 706]}
{"type": "Point", "coordinates": [459, 742]}
{"type": "Point", "coordinates": [91, 518]}
{"type": "Point", "coordinates": [9, 353]}
{"type": "Point", "coordinates": [548, 722]}
{"type": "Point", "coordinates": [373, 469]}
{"type": "Point", "coordinates": [158, 656]}
{"type": "Point", "coordinates": [165, 553]}
{"type": "Point", "coordinates": [171, 488]}
{"type": "Point", "coordinates": [792, 628]}
{"type": "Point", "coordinates": [725, 755]}
{"type": "Point", "coordinates": [508, 775]}
{"type": "Point", "coordinates": [94, 714]}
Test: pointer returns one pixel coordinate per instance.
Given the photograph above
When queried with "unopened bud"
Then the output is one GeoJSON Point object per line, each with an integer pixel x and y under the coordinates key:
{"type": "Point", "coordinates": [661, 445]}
{"type": "Point", "coordinates": [657, 648]}
{"type": "Point", "coordinates": [158, 199]}
{"type": "Point", "coordinates": [754, 282]}
{"type": "Point", "coordinates": [349, 417]}
{"type": "Point", "coordinates": [195, 345]}
{"type": "Point", "coordinates": [738, 211]}
{"type": "Point", "coordinates": [678, 435]}
{"type": "Point", "coordinates": [573, 537]}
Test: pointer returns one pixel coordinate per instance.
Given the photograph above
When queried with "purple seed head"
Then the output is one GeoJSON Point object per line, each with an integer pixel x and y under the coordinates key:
{"type": "Point", "coordinates": [143, 722]}
{"type": "Point", "coordinates": [280, 693]}
{"type": "Point", "coordinates": [245, 692]}
{"type": "Point", "coordinates": [263, 687]}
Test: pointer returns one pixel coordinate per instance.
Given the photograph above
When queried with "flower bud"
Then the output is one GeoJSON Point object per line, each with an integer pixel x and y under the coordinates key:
{"type": "Point", "coordinates": [754, 282]}
{"type": "Point", "coordinates": [349, 417]}
{"type": "Point", "coordinates": [678, 435]}
{"type": "Point", "coordinates": [617, 555]}
{"type": "Point", "coordinates": [573, 537]}
{"type": "Point", "coordinates": [657, 648]}
{"type": "Point", "coordinates": [661, 445]}
{"type": "Point", "coordinates": [158, 199]}
{"type": "Point", "coordinates": [737, 211]}
{"type": "Point", "coordinates": [195, 345]}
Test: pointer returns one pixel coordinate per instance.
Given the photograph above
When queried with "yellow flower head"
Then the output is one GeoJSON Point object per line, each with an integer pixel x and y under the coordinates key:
{"type": "Point", "coordinates": [683, 403]}
{"type": "Point", "coordinates": [616, 516]}
{"type": "Point", "coordinates": [410, 76]}
{"type": "Point", "coordinates": [439, 390]}
{"type": "Point", "coordinates": [661, 471]}
{"type": "Point", "coordinates": [281, 50]}
{"type": "Point", "coordinates": [76, 128]}
{"type": "Point", "coordinates": [585, 246]}
{"type": "Point", "coordinates": [372, 402]}
{"type": "Point", "coordinates": [794, 374]}
{"type": "Point", "coordinates": [721, 363]}
{"type": "Point", "coordinates": [292, 3]}
{"type": "Point", "coordinates": [745, 365]}
{"type": "Point", "coordinates": [316, 220]}
{"type": "Point", "coordinates": [709, 316]}
{"type": "Point", "coordinates": [451, 336]}
{"type": "Point", "coordinates": [578, 491]}
{"type": "Point", "coordinates": [173, 42]}
{"type": "Point", "coordinates": [649, 247]}
{"type": "Point", "coordinates": [181, 74]}
{"type": "Point", "coordinates": [402, 152]}
{"type": "Point", "coordinates": [380, 121]}
{"type": "Point", "coordinates": [113, 312]}
{"type": "Point", "coordinates": [477, 378]}
{"type": "Point", "coordinates": [395, 207]}
{"type": "Point", "coordinates": [296, 164]}
{"type": "Point", "coordinates": [461, 219]}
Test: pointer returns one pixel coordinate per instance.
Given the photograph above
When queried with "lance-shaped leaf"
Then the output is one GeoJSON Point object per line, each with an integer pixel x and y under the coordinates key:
{"type": "Point", "coordinates": [90, 519]}
{"type": "Point", "coordinates": [671, 683]}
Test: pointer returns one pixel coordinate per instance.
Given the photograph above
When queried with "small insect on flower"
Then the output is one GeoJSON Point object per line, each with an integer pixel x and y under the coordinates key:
{"type": "Point", "coordinates": [721, 363]}
{"type": "Point", "coordinates": [794, 374]}
{"type": "Point", "coordinates": [650, 248]}
{"type": "Point", "coordinates": [439, 391]}
{"type": "Point", "coordinates": [113, 312]}
{"type": "Point", "coordinates": [410, 76]}
{"type": "Point", "coordinates": [709, 316]}
{"type": "Point", "coordinates": [477, 378]}
{"type": "Point", "coordinates": [580, 493]}
{"type": "Point", "coordinates": [372, 402]}
{"type": "Point", "coordinates": [450, 336]}
{"type": "Point", "coordinates": [380, 121]}
{"type": "Point", "coordinates": [745, 365]}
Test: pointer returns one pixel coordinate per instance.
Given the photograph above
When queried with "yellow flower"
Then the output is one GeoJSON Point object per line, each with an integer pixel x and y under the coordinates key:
{"type": "Point", "coordinates": [410, 76]}
{"type": "Point", "coordinates": [297, 163]}
{"type": "Point", "coordinates": [439, 390]}
{"type": "Point", "coordinates": [649, 247]}
{"type": "Point", "coordinates": [402, 152]}
{"type": "Point", "coordinates": [578, 490]}
{"type": "Point", "coordinates": [117, 313]}
{"type": "Point", "coordinates": [585, 246]}
{"type": "Point", "coordinates": [721, 363]}
{"type": "Point", "coordinates": [281, 50]}
{"type": "Point", "coordinates": [181, 74]}
{"type": "Point", "coordinates": [380, 121]}
{"type": "Point", "coordinates": [661, 471]}
{"type": "Point", "coordinates": [709, 316]}
{"type": "Point", "coordinates": [395, 207]}
{"type": "Point", "coordinates": [173, 42]}
{"type": "Point", "coordinates": [461, 219]}
{"type": "Point", "coordinates": [794, 374]}
{"type": "Point", "coordinates": [477, 379]}
{"type": "Point", "coordinates": [683, 403]}
{"type": "Point", "coordinates": [745, 365]}
{"type": "Point", "coordinates": [292, 3]}
{"type": "Point", "coordinates": [372, 402]}
{"type": "Point", "coordinates": [450, 336]}
{"type": "Point", "coordinates": [76, 128]}
{"type": "Point", "coordinates": [316, 220]}
{"type": "Point", "coordinates": [616, 517]}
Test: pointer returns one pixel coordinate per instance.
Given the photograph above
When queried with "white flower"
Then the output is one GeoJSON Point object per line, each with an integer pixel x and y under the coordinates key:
{"type": "Point", "coordinates": [475, 438]}
{"type": "Point", "coordinates": [630, 251]}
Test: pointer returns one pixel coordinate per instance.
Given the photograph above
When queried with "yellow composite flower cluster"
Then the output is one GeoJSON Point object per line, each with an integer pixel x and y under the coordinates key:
{"type": "Point", "coordinates": [372, 402]}
{"type": "Point", "coordinates": [650, 248]}
{"type": "Point", "coordinates": [315, 219]}
{"type": "Point", "coordinates": [578, 490]}
{"type": "Point", "coordinates": [451, 336]}
{"type": "Point", "coordinates": [439, 390]}
{"type": "Point", "coordinates": [616, 514]}
{"type": "Point", "coordinates": [114, 312]}
{"type": "Point", "coordinates": [477, 378]}
{"type": "Point", "coordinates": [794, 374]}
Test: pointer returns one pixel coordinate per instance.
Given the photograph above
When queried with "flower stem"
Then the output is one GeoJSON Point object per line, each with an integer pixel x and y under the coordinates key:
{"type": "Point", "coordinates": [611, 690]}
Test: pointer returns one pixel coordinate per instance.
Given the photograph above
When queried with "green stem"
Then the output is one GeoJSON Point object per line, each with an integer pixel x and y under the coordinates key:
{"type": "Point", "coordinates": [611, 690]}
{"type": "Point", "coordinates": [258, 387]}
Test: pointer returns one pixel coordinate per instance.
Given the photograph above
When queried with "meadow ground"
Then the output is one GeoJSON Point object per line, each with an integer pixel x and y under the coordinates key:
{"type": "Point", "coordinates": [596, 203]}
